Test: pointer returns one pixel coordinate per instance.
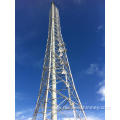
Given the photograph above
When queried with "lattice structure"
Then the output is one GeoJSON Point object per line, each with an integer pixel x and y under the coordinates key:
{"type": "Point", "coordinates": [58, 98]}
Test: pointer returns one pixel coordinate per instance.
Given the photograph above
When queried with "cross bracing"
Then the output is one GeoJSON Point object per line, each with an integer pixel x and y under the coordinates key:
{"type": "Point", "coordinates": [57, 94]}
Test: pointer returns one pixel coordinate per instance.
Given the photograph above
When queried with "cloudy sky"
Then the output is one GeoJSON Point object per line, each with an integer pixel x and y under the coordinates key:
{"type": "Point", "coordinates": [83, 31]}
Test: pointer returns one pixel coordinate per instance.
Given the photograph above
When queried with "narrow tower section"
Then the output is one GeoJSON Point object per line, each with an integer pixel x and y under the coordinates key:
{"type": "Point", "coordinates": [57, 98]}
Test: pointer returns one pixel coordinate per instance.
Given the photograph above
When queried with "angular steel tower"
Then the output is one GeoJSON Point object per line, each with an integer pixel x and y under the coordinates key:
{"type": "Point", "coordinates": [58, 98]}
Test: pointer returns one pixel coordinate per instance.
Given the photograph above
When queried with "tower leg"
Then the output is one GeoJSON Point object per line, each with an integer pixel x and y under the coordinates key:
{"type": "Point", "coordinates": [54, 96]}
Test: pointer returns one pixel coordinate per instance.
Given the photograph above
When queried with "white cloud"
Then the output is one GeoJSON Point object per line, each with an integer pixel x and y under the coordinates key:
{"type": "Point", "coordinates": [95, 69]}
{"type": "Point", "coordinates": [93, 118]}
{"type": "Point", "coordinates": [88, 118]}
{"type": "Point", "coordinates": [92, 69]}
{"type": "Point", "coordinates": [101, 91]}
{"type": "Point", "coordinates": [102, 83]}
{"type": "Point", "coordinates": [68, 118]}
{"type": "Point", "coordinates": [30, 118]}
{"type": "Point", "coordinates": [18, 114]}
{"type": "Point", "coordinates": [24, 115]}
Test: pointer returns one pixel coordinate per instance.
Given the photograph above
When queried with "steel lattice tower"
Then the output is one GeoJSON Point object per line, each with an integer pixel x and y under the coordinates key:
{"type": "Point", "coordinates": [57, 97]}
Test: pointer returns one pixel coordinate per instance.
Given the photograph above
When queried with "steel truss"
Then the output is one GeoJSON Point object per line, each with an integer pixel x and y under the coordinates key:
{"type": "Point", "coordinates": [57, 94]}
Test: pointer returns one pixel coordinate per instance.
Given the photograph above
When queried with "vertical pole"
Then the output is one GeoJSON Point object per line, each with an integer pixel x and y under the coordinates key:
{"type": "Point", "coordinates": [47, 88]}
{"type": "Point", "coordinates": [54, 96]}
{"type": "Point", "coordinates": [72, 104]}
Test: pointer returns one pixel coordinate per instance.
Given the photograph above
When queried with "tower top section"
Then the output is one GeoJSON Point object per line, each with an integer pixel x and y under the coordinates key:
{"type": "Point", "coordinates": [54, 13]}
{"type": "Point", "coordinates": [53, 4]}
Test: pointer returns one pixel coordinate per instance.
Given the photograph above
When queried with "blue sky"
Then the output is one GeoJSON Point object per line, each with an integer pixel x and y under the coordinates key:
{"type": "Point", "coordinates": [83, 31]}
